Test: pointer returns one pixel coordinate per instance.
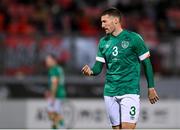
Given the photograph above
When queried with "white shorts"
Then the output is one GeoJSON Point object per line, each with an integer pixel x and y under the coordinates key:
{"type": "Point", "coordinates": [54, 107]}
{"type": "Point", "coordinates": [122, 108]}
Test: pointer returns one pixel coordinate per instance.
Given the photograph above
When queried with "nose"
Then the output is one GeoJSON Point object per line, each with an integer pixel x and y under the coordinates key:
{"type": "Point", "coordinates": [102, 25]}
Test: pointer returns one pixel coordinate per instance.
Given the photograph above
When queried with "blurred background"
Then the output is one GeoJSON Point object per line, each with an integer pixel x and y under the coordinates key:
{"type": "Point", "coordinates": [70, 29]}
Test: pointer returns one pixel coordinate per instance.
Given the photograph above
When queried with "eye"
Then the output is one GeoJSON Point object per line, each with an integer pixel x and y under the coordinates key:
{"type": "Point", "coordinates": [103, 21]}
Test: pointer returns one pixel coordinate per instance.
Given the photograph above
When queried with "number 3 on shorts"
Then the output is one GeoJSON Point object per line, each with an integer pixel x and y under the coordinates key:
{"type": "Point", "coordinates": [133, 111]}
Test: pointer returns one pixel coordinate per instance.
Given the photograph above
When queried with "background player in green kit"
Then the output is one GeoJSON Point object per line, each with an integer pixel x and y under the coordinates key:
{"type": "Point", "coordinates": [56, 91]}
{"type": "Point", "coordinates": [122, 52]}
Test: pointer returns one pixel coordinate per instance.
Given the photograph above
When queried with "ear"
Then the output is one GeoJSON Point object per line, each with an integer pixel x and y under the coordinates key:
{"type": "Point", "coordinates": [116, 20]}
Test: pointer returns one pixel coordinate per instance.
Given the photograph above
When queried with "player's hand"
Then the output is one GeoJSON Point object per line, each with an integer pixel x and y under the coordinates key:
{"type": "Point", "coordinates": [53, 100]}
{"type": "Point", "coordinates": [86, 70]}
{"type": "Point", "coordinates": [152, 95]}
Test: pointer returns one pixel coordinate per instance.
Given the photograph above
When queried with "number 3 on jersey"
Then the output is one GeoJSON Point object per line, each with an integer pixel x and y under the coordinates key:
{"type": "Point", "coordinates": [115, 51]}
{"type": "Point", "coordinates": [132, 111]}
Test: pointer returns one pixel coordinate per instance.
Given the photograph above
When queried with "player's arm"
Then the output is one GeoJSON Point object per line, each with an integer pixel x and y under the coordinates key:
{"type": "Point", "coordinates": [144, 54]}
{"type": "Point", "coordinates": [148, 72]}
{"type": "Point", "coordinates": [95, 70]}
{"type": "Point", "coordinates": [152, 95]}
{"type": "Point", "coordinates": [54, 85]}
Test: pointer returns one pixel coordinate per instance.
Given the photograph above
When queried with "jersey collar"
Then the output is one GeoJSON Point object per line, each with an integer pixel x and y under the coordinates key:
{"type": "Point", "coordinates": [119, 34]}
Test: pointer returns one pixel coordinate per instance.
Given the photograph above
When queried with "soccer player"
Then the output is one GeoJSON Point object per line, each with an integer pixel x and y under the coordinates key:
{"type": "Point", "coordinates": [56, 91]}
{"type": "Point", "coordinates": [122, 52]}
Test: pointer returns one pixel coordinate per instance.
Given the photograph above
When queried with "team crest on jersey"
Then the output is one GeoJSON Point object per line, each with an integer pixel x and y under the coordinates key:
{"type": "Point", "coordinates": [125, 44]}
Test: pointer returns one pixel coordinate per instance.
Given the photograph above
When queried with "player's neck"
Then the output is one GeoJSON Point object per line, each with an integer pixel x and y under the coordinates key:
{"type": "Point", "coordinates": [54, 64]}
{"type": "Point", "coordinates": [117, 31]}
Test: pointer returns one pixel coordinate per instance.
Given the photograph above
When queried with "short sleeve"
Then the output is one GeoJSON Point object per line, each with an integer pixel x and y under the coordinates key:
{"type": "Point", "coordinates": [140, 48]}
{"type": "Point", "coordinates": [100, 56]}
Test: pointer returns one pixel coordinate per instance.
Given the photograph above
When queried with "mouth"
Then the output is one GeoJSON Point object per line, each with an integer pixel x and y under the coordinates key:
{"type": "Point", "coordinates": [106, 30]}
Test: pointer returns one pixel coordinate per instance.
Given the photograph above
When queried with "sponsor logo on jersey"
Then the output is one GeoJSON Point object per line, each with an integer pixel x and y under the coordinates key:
{"type": "Point", "coordinates": [124, 44]}
{"type": "Point", "coordinates": [132, 117]}
{"type": "Point", "coordinates": [107, 46]}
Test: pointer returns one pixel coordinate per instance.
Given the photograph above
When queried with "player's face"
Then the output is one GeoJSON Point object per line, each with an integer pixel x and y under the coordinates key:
{"type": "Point", "coordinates": [49, 61]}
{"type": "Point", "coordinates": [107, 23]}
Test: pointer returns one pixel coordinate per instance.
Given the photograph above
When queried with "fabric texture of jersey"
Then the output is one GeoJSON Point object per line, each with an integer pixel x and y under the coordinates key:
{"type": "Point", "coordinates": [57, 71]}
{"type": "Point", "coordinates": [122, 55]}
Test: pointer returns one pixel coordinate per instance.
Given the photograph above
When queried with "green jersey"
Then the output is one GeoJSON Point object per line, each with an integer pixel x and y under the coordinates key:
{"type": "Point", "coordinates": [57, 71]}
{"type": "Point", "coordinates": [122, 55]}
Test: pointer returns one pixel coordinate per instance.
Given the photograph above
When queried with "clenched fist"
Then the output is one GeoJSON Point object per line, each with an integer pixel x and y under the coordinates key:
{"type": "Point", "coordinates": [86, 70]}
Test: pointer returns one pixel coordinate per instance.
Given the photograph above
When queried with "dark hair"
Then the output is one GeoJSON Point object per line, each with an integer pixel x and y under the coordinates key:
{"type": "Point", "coordinates": [113, 12]}
{"type": "Point", "coordinates": [52, 56]}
